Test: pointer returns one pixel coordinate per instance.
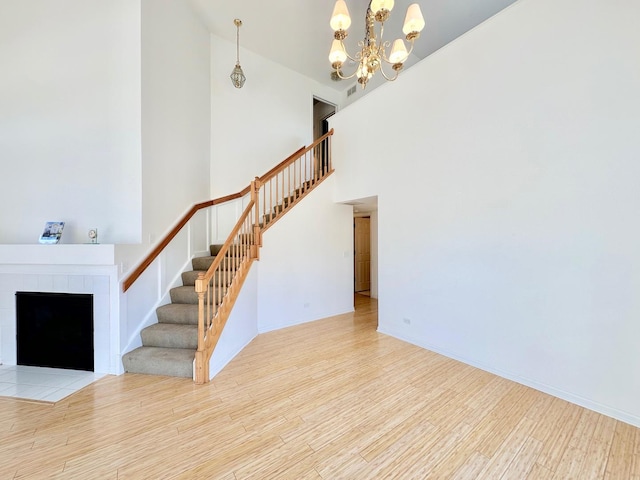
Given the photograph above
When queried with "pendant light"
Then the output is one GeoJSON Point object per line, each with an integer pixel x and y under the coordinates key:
{"type": "Point", "coordinates": [237, 75]}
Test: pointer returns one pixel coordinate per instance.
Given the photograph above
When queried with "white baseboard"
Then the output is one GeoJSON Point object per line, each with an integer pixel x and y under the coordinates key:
{"type": "Point", "coordinates": [549, 389]}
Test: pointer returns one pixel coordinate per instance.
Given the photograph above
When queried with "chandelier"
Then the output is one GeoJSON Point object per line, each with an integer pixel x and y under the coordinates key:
{"type": "Point", "coordinates": [373, 49]}
{"type": "Point", "coordinates": [237, 75]}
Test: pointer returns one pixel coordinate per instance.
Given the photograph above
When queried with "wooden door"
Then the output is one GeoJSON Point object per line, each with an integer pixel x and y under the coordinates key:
{"type": "Point", "coordinates": [362, 253]}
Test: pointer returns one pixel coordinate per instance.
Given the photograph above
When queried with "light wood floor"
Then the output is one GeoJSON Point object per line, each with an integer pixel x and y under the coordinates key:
{"type": "Point", "coordinates": [332, 399]}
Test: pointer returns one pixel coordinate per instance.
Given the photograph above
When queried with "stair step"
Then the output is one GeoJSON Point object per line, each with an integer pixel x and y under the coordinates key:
{"type": "Point", "coordinates": [202, 263]}
{"type": "Point", "coordinates": [180, 313]}
{"type": "Point", "coordinates": [189, 278]}
{"type": "Point", "coordinates": [174, 362]}
{"type": "Point", "coordinates": [184, 295]}
{"type": "Point", "coordinates": [169, 346]}
{"type": "Point", "coordinates": [170, 335]}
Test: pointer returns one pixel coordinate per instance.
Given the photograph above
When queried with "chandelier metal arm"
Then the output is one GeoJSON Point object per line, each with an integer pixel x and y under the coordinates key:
{"type": "Point", "coordinates": [388, 78]}
{"type": "Point", "coordinates": [348, 77]}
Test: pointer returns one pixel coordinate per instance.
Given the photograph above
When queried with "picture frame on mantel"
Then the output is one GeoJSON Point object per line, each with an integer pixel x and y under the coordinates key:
{"type": "Point", "coordinates": [52, 233]}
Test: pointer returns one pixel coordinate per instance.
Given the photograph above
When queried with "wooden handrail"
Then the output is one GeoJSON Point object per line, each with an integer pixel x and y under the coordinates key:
{"type": "Point", "coordinates": [213, 317]}
{"type": "Point", "coordinates": [278, 167]}
{"type": "Point", "coordinates": [135, 274]}
{"type": "Point", "coordinates": [218, 288]}
{"type": "Point", "coordinates": [139, 270]}
{"type": "Point", "coordinates": [292, 158]}
{"type": "Point", "coordinates": [225, 246]}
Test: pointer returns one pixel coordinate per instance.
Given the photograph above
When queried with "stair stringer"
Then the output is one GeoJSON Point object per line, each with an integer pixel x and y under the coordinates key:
{"type": "Point", "coordinates": [242, 325]}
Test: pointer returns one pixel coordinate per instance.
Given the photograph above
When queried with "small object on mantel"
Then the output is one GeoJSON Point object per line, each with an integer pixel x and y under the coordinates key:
{"type": "Point", "coordinates": [93, 235]}
{"type": "Point", "coordinates": [52, 233]}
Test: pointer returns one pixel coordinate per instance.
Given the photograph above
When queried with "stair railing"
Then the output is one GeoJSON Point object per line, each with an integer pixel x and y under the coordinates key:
{"type": "Point", "coordinates": [280, 189]}
{"type": "Point", "coordinates": [287, 183]}
{"type": "Point", "coordinates": [166, 240]}
{"type": "Point", "coordinates": [272, 195]}
{"type": "Point", "coordinates": [219, 287]}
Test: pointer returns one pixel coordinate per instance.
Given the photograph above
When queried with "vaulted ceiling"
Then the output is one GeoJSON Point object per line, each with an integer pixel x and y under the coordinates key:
{"type": "Point", "coordinates": [296, 33]}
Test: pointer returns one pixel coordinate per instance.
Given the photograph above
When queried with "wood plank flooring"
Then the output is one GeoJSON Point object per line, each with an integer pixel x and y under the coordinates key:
{"type": "Point", "coordinates": [332, 399]}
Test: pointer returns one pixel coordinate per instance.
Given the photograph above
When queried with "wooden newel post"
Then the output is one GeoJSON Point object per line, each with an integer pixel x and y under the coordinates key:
{"type": "Point", "coordinates": [201, 369]}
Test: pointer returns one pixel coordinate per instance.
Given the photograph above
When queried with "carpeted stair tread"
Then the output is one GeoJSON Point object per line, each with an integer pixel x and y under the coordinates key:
{"type": "Point", "coordinates": [179, 313]}
{"type": "Point", "coordinates": [184, 295]}
{"type": "Point", "coordinates": [175, 362]}
{"type": "Point", "coordinates": [189, 278]}
{"type": "Point", "coordinates": [170, 335]}
{"type": "Point", "coordinates": [202, 263]}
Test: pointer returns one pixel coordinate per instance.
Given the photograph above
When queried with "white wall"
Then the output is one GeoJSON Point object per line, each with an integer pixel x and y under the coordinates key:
{"type": "Point", "coordinates": [305, 273]}
{"type": "Point", "coordinates": [256, 127]}
{"type": "Point", "coordinates": [176, 130]}
{"type": "Point", "coordinates": [374, 254]}
{"type": "Point", "coordinates": [70, 119]}
{"type": "Point", "coordinates": [176, 120]}
{"type": "Point", "coordinates": [507, 199]}
{"type": "Point", "coordinates": [306, 263]}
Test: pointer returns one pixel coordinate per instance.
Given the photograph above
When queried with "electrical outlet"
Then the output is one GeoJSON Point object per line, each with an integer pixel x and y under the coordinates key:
{"type": "Point", "coordinates": [406, 321]}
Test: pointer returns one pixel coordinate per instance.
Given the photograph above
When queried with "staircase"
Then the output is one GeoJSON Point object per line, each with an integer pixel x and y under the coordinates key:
{"type": "Point", "coordinates": [169, 346]}
{"type": "Point", "coordinates": [188, 329]}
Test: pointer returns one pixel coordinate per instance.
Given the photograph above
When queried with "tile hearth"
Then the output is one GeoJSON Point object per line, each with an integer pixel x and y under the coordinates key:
{"type": "Point", "coordinates": [43, 384]}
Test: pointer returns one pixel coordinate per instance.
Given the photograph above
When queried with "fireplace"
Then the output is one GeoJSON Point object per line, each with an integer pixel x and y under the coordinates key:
{"type": "Point", "coordinates": [55, 330]}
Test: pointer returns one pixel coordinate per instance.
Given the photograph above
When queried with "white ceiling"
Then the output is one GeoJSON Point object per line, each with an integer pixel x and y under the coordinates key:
{"type": "Point", "coordinates": [296, 33]}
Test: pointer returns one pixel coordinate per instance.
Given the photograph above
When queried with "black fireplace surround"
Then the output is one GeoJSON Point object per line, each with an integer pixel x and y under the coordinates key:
{"type": "Point", "coordinates": [55, 330]}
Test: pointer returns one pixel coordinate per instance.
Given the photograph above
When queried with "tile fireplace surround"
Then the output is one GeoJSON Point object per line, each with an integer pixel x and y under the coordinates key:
{"type": "Point", "coordinates": [63, 269]}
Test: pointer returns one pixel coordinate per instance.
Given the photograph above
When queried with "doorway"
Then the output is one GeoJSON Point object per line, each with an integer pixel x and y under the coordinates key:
{"type": "Point", "coordinates": [362, 255]}
{"type": "Point", "coordinates": [321, 112]}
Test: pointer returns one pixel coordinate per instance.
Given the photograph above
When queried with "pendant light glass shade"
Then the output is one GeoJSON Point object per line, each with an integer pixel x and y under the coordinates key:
{"type": "Point", "coordinates": [378, 5]}
{"type": "Point", "coordinates": [340, 20]}
{"type": "Point", "coordinates": [237, 76]}
{"type": "Point", "coordinates": [337, 54]}
{"type": "Point", "coordinates": [398, 52]}
{"type": "Point", "coordinates": [414, 21]}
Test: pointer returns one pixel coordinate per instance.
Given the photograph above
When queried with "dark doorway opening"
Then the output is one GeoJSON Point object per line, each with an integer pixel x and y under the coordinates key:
{"type": "Point", "coordinates": [321, 112]}
{"type": "Point", "coordinates": [55, 330]}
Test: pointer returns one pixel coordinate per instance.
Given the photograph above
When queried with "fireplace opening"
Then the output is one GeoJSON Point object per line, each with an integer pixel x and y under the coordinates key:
{"type": "Point", "coordinates": [55, 330]}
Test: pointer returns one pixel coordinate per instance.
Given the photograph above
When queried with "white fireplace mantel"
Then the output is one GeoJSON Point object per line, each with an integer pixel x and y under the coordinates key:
{"type": "Point", "coordinates": [59, 254]}
{"type": "Point", "coordinates": [64, 268]}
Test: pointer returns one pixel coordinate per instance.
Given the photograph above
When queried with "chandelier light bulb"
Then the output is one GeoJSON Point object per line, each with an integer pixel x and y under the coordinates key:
{"type": "Point", "coordinates": [414, 21]}
{"type": "Point", "coordinates": [378, 5]}
{"type": "Point", "coordinates": [398, 52]}
{"type": "Point", "coordinates": [340, 20]}
{"type": "Point", "coordinates": [337, 54]}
